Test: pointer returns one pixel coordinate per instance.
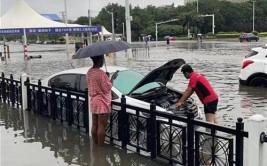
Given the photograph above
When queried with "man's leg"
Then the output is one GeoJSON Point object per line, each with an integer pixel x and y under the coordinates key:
{"type": "Point", "coordinates": [210, 117]}
{"type": "Point", "coordinates": [210, 110]}
{"type": "Point", "coordinates": [94, 128]}
{"type": "Point", "coordinates": [101, 132]}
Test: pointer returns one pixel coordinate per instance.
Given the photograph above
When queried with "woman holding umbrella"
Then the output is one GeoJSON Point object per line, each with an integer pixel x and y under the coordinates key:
{"type": "Point", "coordinates": [99, 89]}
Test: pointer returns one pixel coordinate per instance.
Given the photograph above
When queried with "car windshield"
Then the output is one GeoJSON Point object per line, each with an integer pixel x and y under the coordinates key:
{"type": "Point", "coordinates": [128, 79]}
{"type": "Point", "coordinates": [252, 53]}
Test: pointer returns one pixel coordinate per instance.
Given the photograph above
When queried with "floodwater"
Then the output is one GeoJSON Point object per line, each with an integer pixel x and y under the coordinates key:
{"type": "Point", "coordinates": [29, 139]}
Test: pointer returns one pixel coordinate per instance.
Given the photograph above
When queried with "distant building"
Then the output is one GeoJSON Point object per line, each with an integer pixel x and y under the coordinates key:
{"type": "Point", "coordinates": [234, 1]}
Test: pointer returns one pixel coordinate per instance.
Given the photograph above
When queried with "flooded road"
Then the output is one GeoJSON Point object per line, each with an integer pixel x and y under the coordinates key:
{"type": "Point", "coordinates": [53, 144]}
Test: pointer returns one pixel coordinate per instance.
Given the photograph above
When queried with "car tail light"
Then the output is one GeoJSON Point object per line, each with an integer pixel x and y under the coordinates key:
{"type": "Point", "coordinates": [246, 63]}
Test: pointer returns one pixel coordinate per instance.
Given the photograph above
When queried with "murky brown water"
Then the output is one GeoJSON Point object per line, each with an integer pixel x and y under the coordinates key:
{"type": "Point", "coordinates": [53, 144]}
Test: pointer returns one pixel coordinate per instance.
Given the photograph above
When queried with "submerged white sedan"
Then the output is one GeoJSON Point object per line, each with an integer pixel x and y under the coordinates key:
{"type": "Point", "coordinates": [138, 89]}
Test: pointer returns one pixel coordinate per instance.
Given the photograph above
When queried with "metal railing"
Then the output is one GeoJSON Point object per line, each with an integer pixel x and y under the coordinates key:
{"type": "Point", "coordinates": [170, 138]}
{"type": "Point", "coordinates": [175, 139]}
{"type": "Point", "coordinates": [68, 107]}
{"type": "Point", "coordinates": [10, 90]}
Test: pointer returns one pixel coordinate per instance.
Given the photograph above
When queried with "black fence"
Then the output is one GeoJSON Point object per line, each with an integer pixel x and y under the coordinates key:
{"type": "Point", "coordinates": [68, 107]}
{"type": "Point", "coordinates": [10, 91]}
{"type": "Point", "coordinates": [163, 136]}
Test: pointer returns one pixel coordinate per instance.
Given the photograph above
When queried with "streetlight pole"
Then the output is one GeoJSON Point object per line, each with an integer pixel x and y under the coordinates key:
{"type": "Point", "coordinates": [197, 5]}
{"type": "Point", "coordinates": [112, 24]}
{"type": "Point", "coordinates": [89, 23]}
{"type": "Point", "coordinates": [158, 23]}
{"type": "Point", "coordinates": [123, 30]}
{"type": "Point", "coordinates": [156, 32]}
{"type": "Point", "coordinates": [128, 21]}
{"type": "Point", "coordinates": [66, 35]}
{"type": "Point", "coordinates": [253, 2]}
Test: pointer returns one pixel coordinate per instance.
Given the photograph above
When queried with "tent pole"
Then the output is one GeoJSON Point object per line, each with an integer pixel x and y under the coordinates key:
{"type": "Point", "coordinates": [102, 34]}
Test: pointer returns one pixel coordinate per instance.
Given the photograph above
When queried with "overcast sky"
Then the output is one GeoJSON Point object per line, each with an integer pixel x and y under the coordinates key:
{"type": "Point", "coordinates": [77, 8]}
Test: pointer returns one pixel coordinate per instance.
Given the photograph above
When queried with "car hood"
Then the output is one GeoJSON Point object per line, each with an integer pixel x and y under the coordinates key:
{"type": "Point", "coordinates": [163, 74]}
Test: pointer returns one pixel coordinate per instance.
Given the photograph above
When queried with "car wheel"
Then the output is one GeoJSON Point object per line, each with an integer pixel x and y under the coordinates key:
{"type": "Point", "coordinates": [259, 82]}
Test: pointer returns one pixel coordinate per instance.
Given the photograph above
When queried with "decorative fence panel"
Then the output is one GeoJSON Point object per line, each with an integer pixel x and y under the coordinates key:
{"type": "Point", "coordinates": [70, 108]}
{"type": "Point", "coordinates": [10, 90]}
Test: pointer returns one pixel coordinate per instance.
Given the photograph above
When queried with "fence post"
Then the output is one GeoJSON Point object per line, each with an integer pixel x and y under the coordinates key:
{"type": "Point", "coordinates": [124, 131]}
{"type": "Point", "coordinates": [254, 150]}
{"type": "Point", "coordinates": [86, 111]}
{"type": "Point", "coordinates": [24, 91]}
{"type": "Point", "coordinates": [12, 91]}
{"type": "Point", "coordinates": [3, 86]}
{"type": "Point", "coordinates": [53, 102]}
{"type": "Point", "coordinates": [90, 117]}
{"type": "Point", "coordinates": [190, 139]}
{"type": "Point", "coordinates": [239, 142]}
{"type": "Point", "coordinates": [69, 108]}
{"type": "Point", "coordinates": [152, 130]}
{"type": "Point", "coordinates": [39, 98]}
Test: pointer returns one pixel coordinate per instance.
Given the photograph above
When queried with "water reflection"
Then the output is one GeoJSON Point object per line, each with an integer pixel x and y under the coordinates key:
{"type": "Point", "coordinates": [254, 98]}
{"type": "Point", "coordinates": [52, 143]}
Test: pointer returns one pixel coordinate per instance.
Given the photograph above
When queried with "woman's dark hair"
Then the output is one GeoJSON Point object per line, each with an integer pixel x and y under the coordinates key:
{"type": "Point", "coordinates": [187, 68]}
{"type": "Point", "coordinates": [95, 59]}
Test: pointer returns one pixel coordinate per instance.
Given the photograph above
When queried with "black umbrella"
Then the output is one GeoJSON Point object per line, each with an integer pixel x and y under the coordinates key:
{"type": "Point", "coordinates": [101, 48]}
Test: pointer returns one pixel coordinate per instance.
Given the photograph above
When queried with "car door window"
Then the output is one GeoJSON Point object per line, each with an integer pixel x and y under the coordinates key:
{"type": "Point", "coordinates": [83, 83]}
{"type": "Point", "coordinates": [65, 80]}
{"type": "Point", "coordinates": [83, 86]}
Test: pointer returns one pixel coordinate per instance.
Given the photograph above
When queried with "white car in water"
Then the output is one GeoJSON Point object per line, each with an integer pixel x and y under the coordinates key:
{"type": "Point", "coordinates": [138, 89]}
{"type": "Point", "coordinates": [254, 68]}
{"type": "Point", "coordinates": [116, 39]}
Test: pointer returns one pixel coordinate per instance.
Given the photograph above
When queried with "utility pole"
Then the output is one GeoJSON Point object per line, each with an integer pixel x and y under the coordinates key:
{"type": "Point", "coordinates": [213, 21]}
{"type": "Point", "coordinates": [197, 5]}
{"type": "Point", "coordinates": [253, 2]}
{"type": "Point", "coordinates": [89, 23]}
{"type": "Point", "coordinates": [158, 23]}
{"type": "Point", "coordinates": [128, 22]}
{"type": "Point", "coordinates": [112, 24]}
{"type": "Point", "coordinates": [66, 22]}
{"type": "Point", "coordinates": [122, 30]}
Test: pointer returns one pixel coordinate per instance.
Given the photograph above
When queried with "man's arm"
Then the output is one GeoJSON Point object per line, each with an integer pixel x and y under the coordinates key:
{"type": "Point", "coordinates": [188, 92]}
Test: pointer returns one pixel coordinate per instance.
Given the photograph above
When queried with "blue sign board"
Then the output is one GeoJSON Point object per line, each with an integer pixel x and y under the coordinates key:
{"type": "Point", "coordinates": [18, 31]}
{"type": "Point", "coordinates": [80, 29]}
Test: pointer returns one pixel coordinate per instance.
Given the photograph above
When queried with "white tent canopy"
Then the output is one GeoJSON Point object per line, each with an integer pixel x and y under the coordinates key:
{"type": "Point", "coordinates": [21, 15]}
{"type": "Point", "coordinates": [104, 32]}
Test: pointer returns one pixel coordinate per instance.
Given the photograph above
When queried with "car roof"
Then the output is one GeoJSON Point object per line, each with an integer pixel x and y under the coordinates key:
{"type": "Point", "coordinates": [83, 70]}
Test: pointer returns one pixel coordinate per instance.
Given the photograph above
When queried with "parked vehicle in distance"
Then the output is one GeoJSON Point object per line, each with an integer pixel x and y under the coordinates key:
{"type": "Point", "coordinates": [138, 89]}
{"type": "Point", "coordinates": [248, 37]}
{"type": "Point", "coordinates": [254, 68]}
{"type": "Point", "coordinates": [116, 39]}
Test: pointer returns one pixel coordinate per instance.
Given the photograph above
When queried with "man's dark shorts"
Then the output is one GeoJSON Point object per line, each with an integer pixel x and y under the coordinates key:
{"type": "Point", "coordinates": [211, 107]}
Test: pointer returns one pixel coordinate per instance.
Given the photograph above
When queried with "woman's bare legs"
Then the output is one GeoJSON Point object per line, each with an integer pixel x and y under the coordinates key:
{"type": "Point", "coordinates": [94, 128]}
{"type": "Point", "coordinates": [101, 132]}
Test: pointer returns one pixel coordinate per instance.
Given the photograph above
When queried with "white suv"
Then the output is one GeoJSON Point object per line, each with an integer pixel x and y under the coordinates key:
{"type": "Point", "coordinates": [254, 68]}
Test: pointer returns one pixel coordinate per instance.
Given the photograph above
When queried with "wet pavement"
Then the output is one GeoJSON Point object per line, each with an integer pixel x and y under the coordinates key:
{"type": "Point", "coordinates": [40, 141]}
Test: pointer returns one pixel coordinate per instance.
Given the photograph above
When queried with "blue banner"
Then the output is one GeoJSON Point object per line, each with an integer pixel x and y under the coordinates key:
{"type": "Point", "coordinates": [18, 31]}
{"type": "Point", "coordinates": [81, 29]}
